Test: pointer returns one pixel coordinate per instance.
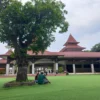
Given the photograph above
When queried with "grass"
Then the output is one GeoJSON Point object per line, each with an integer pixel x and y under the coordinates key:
{"type": "Point", "coordinates": [72, 87]}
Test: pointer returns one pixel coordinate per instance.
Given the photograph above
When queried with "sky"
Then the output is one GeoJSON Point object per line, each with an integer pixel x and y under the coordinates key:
{"type": "Point", "coordinates": [84, 24]}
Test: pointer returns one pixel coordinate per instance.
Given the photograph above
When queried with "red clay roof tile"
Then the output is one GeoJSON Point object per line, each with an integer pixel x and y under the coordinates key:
{"type": "Point", "coordinates": [3, 61]}
{"type": "Point", "coordinates": [71, 45]}
{"type": "Point", "coordinates": [71, 39]}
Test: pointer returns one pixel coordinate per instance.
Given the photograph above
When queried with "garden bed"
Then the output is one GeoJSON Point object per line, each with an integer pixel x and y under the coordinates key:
{"type": "Point", "coordinates": [14, 83]}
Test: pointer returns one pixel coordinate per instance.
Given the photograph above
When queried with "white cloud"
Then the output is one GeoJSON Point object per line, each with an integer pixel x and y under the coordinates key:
{"type": "Point", "coordinates": [84, 19]}
{"type": "Point", "coordinates": [82, 13]}
{"type": "Point", "coordinates": [2, 48]}
{"type": "Point", "coordinates": [89, 41]}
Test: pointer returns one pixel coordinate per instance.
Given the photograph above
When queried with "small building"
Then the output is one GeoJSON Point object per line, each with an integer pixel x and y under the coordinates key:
{"type": "Point", "coordinates": [71, 58]}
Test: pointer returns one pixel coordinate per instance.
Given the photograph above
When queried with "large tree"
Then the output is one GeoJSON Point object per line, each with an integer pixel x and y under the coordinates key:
{"type": "Point", "coordinates": [96, 48]}
{"type": "Point", "coordinates": [30, 26]}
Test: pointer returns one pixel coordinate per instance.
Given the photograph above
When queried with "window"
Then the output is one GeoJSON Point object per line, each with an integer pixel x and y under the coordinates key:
{"type": "Point", "coordinates": [87, 66]}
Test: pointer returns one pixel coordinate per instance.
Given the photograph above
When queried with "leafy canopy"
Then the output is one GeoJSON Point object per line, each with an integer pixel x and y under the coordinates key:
{"type": "Point", "coordinates": [96, 48]}
{"type": "Point", "coordinates": [30, 25]}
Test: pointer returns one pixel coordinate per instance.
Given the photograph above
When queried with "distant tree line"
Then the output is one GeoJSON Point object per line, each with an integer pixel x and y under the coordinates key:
{"type": "Point", "coordinates": [95, 48]}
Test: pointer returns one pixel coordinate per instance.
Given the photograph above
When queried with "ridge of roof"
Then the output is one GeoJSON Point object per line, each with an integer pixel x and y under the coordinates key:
{"type": "Point", "coordinates": [71, 39]}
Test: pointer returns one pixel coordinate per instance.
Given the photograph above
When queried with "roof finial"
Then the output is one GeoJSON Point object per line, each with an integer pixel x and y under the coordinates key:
{"type": "Point", "coordinates": [71, 39]}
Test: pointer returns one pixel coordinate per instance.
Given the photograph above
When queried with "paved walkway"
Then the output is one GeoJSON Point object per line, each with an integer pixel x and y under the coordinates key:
{"type": "Point", "coordinates": [5, 76]}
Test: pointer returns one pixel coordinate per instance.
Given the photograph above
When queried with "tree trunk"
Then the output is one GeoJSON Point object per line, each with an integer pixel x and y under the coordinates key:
{"type": "Point", "coordinates": [22, 64]}
{"type": "Point", "coordinates": [21, 74]}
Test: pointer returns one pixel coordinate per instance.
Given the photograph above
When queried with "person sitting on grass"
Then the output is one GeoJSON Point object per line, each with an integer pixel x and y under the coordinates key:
{"type": "Point", "coordinates": [42, 79]}
{"type": "Point", "coordinates": [36, 77]}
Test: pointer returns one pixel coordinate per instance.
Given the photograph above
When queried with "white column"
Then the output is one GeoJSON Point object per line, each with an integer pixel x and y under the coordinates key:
{"type": "Point", "coordinates": [13, 70]}
{"type": "Point", "coordinates": [74, 69]}
{"type": "Point", "coordinates": [33, 71]}
{"type": "Point", "coordinates": [7, 69]}
{"type": "Point", "coordinates": [92, 68]}
{"type": "Point", "coordinates": [56, 64]}
{"type": "Point", "coordinates": [55, 67]}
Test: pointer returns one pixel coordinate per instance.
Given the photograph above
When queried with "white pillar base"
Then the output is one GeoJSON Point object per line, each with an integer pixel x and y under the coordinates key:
{"type": "Point", "coordinates": [55, 67]}
{"type": "Point", "coordinates": [13, 70]}
{"type": "Point", "coordinates": [7, 69]}
{"type": "Point", "coordinates": [74, 69]}
{"type": "Point", "coordinates": [92, 68]}
{"type": "Point", "coordinates": [56, 64]}
{"type": "Point", "coordinates": [33, 70]}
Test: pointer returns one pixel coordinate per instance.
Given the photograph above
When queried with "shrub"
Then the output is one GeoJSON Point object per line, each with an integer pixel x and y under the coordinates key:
{"type": "Point", "coordinates": [2, 71]}
{"type": "Point", "coordinates": [60, 69]}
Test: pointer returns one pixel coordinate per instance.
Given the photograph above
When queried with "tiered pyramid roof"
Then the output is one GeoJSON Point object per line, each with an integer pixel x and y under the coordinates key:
{"type": "Point", "coordinates": [71, 45]}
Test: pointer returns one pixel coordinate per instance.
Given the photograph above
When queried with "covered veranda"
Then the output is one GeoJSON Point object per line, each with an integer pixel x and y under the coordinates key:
{"type": "Point", "coordinates": [51, 64]}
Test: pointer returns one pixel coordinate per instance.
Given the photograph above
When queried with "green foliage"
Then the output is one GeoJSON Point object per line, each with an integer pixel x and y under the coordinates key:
{"type": "Point", "coordinates": [96, 48]}
{"type": "Point", "coordinates": [3, 4]}
{"type": "Point", "coordinates": [60, 70]}
{"type": "Point", "coordinates": [87, 51]}
{"type": "Point", "coordinates": [2, 71]}
{"type": "Point", "coordinates": [30, 26]}
{"type": "Point", "coordinates": [8, 47]}
{"type": "Point", "coordinates": [12, 55]}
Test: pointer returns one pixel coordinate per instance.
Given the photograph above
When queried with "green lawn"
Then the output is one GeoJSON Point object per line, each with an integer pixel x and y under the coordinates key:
{"type": "Point", "coordinates": [72, 87]}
